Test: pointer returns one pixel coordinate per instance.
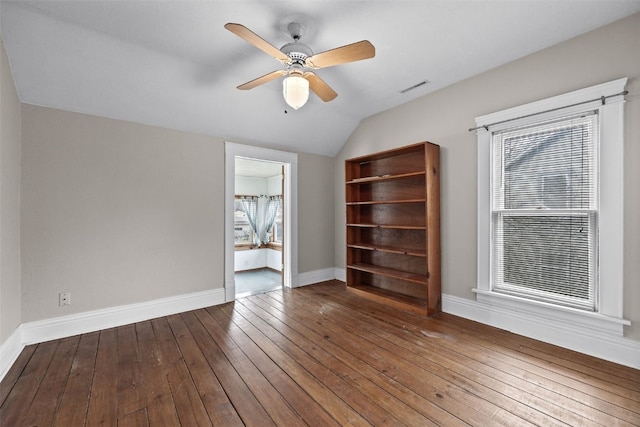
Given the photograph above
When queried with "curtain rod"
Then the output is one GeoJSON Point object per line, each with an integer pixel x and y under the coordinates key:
{"type": "Point", "coordinates": [602, 99]}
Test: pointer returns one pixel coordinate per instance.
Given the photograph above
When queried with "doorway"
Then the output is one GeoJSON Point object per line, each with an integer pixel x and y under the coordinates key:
{"type": "Point", "coordinates": [288, 162]}
{"type": "Point", "coordinates": [258, 226]}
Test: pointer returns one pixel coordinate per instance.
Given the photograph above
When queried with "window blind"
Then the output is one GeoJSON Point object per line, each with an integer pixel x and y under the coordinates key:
{"type": "Point", "coordinates": [544, 211]}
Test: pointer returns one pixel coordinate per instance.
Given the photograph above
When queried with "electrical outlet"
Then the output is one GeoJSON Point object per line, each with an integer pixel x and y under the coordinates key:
{"type": "Point", "coordinates": [64, 299]}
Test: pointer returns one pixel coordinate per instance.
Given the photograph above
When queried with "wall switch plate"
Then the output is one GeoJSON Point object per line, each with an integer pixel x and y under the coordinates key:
{"type": "Point", "coordinates": [64, 299]}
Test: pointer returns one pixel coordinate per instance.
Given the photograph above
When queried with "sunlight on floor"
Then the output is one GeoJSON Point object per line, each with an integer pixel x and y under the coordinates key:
{"type": "Point", "coordinates": [257, 281]}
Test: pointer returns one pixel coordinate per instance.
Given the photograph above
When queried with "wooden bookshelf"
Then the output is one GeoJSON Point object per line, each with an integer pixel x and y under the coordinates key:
{"type": "Point", "coordinates": [393, 227]}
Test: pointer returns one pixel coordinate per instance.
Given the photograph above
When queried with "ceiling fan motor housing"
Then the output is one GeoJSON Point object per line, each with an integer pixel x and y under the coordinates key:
{"type": "Point", "coordinates": [297, 51]}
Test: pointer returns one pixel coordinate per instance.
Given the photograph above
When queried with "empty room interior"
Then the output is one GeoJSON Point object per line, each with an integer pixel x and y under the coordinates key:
{"type": "Point", "coordinates": [320, 213]}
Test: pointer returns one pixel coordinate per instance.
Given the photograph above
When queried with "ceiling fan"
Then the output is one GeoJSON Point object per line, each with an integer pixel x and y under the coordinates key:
{"type": "Point", "coordinates": [299, 59]}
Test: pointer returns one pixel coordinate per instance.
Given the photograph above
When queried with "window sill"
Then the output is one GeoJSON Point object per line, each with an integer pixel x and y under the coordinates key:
{"type": "Point", "coordinates": [554, 316]}
{"type": "Point", "coordinates": [248, 247]}
{"type": "Point", "coordinates": [245, 246]}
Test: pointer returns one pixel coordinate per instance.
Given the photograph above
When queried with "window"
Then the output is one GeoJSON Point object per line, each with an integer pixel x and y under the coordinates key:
{"type": "Point", "coordinates": [276, 233]}
{"type": "Point", "coordinates": [544, 211]}
{"type": "Point", "coordinates": [550, 208]}
{"type": "Point", "coordinates": [262, 207]}
{"type": "Point", "coordinates": [241, 227]}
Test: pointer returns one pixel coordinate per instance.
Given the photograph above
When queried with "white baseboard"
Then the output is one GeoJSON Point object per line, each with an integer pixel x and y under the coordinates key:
{"type": "Point", "coordinates": [10, 350]}
{"type": "Point", "coordinates": [594, 343]}
{"type": "Point", "coordinates": [230, 291]}
{"type": "Point", "coordinates": [341, 274]}
{"type": "Point", "coordinates": [316, 276]}
{"type": "Point", "coordinates": [81, 323]}
{"type": "Point", "coordinates": [90, 321]}
{"type": "Point", "coordinates": [616, 349]}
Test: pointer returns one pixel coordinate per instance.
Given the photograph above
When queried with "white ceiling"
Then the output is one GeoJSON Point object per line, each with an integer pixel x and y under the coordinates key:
{"type": "Point", "coordinates": [257, 168]}
{"type": "Point", "coordinates": [172, 63]}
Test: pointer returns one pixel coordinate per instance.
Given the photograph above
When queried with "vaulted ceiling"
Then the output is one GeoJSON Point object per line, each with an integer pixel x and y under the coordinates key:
{"type": "Point", "coordinates": [173, 64]}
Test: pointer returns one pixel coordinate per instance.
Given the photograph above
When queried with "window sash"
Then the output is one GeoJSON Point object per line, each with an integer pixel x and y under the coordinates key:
{"type": "Point", "coordinates": [545, 212]}
{"type": "Point", "coordinates": [544, 269]}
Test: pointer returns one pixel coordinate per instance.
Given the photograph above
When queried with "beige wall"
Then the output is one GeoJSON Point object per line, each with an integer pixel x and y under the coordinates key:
{"type": "Point", "coordinates": [9, 201]}
{"type": "Point", "coordinates": [443, 117]}
{"type": "Point", "coordinates": [315, 212]}
{"type": "Point", "coordinates": [117, 213]}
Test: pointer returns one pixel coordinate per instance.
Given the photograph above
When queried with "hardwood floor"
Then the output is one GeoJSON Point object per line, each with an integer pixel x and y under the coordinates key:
{"type": "Point", "coordinates": [312, 356]}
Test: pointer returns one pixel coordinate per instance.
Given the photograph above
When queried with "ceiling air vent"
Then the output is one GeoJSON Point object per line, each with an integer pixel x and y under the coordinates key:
{"type": "Point", "coordinates": [415, 86]}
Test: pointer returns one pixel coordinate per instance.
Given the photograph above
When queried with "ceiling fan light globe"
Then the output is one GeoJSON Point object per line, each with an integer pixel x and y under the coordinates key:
{"type": "Point", "coordinates": [296, 91]}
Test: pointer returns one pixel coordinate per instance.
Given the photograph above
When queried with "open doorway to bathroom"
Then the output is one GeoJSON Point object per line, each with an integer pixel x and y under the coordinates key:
{"type": "Point", "coordinates": [258, 226]}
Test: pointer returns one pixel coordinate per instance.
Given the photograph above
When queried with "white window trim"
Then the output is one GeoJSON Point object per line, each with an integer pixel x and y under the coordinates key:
{"type": "Point", "coordinates": [609, 317]}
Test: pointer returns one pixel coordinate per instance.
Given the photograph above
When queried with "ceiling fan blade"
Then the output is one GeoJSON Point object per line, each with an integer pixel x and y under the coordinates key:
{"type": "Point", "coordinates": [319, 87]}
{"type": "Point", "coordinates": [254, 39]}
{"type": "Point", "coordinates": [341, 55]}
{"type": "Point", "coordinates": [262, 80]}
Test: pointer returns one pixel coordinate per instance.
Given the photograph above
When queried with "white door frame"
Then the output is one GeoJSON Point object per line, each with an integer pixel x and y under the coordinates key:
{"type": "Point", "coordinates": [290, 162]}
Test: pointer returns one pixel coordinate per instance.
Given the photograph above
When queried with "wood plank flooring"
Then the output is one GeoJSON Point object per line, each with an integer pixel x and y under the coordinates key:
{"type": "Point", "coordinates": [316, 356]}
